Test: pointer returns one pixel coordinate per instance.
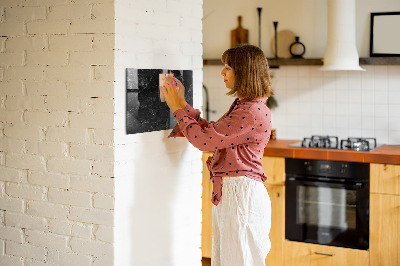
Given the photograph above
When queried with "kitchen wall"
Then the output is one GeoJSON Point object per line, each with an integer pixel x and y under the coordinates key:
{"type": "Point", "coordinates": [158, 180]}
{"type": "Point", "coordinates": [56, 132]}
{"type": "Point", "coordinates": [342, 103]}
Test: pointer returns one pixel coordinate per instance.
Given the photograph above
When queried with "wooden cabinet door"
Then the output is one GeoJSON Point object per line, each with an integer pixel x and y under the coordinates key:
{"type": "Point", "coordinates": [274, 168]}
{"type": "Point", "coordinates": [304, 254]}
{"type": "Point", "coordinates": [206, 226]}
{"type": "Point", "coordinates": [277, 233]}
{"type": "Point", "coordinates": [384, 236]}
{"type": "Point", "coordinates": [385, 178]}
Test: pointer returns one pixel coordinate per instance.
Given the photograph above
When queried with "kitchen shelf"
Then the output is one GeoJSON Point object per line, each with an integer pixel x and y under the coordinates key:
{"type": "Point", "coordinates": [274, 63]}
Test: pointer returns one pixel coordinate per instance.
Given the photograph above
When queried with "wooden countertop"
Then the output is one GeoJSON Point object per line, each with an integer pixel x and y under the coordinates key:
{"type": "Point", "coordinates": [389, 154]}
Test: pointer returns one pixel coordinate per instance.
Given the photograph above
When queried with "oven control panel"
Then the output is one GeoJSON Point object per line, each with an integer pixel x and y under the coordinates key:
{"type": "Point", "coordinates": [338, 169]}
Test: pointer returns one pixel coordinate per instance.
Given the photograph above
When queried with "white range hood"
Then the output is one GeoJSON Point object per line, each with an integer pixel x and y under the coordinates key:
{"type": "Point", "coordinates": [341, 51]}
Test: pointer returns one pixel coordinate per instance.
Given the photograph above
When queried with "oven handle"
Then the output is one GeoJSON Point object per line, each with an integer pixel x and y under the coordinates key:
{"type": "Point", "coordinates": [357, 185]}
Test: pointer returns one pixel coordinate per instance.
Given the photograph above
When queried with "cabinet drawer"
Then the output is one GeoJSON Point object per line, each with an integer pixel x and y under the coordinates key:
{"type": "Point", "coordinates": [304, 254]}
{"type": "Point", "coordinates": [274, 168]}
{"type": "Point", "coordinates": [385, 178]}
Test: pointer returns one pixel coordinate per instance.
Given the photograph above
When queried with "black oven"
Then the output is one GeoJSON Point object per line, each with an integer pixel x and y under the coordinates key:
{"type": "Point", "coordinates": [327, 202]}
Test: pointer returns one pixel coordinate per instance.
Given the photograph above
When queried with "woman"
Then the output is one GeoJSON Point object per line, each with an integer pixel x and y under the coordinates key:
{"type": "Point", "coordinates": [242, 208]}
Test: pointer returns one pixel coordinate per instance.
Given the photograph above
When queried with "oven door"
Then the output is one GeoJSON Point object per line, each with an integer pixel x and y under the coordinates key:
{"type": "Point", "coordinates": [327, 213]}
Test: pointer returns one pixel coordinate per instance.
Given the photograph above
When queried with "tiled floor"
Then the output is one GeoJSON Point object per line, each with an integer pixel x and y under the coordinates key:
{"type": "Point", "coordinates": [206, 261]}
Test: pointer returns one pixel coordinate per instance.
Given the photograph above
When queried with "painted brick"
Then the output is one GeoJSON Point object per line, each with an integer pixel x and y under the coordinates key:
{"type": "Point", "coordinates": [70, 12]}
{"type": "Point", "coordinates": [104, 73]}
{"type": "Point", "coordinates": [46, 88]}
{"type": "Point", "coordinates": [98, 120]}
{"type": "Point", "coordinates": [69, 197]}
{"type": "Point", "coordinates": [104, 169]}
{"type": "Point", "coordinates": [12, 29]}
{"type": "Point", "coordinates": [25, 250]}
{"type": "Point", "coordinates": [105, 260]}
{"type": "Point", "coordinates": [81, 73]}
{"type": "Point", "coordinates": [68, 258]}
{"type": "Point", "coordinates": [24, 73]}
{"type": "Point", "coordinates": [47, 148]}
{"type": "Point", "coordinates": [46, 118]}
{"type": "Point", "coordinates": [2, 222]}
{"type": "Point", "coordinates": [91, 247]}
{"type": "Point", "coordinates": [91, 89]}
{"type": "Point", "coordinates": [12, 204]}
{"type": "Point", "coordinates": [60, 227]}
{"type": "Point", "coordinates": [71, 43]}
{"type": "Point", "coordinates": [11, 260]}
{"type": "Point", "coordinates": [92, 151]}
{"type": "Point", "coordinates": [96, 105]}
{"type": "Point", "coordinates": [46, 2]}
{"type": "Point", "coordinates": [74, 135]}
{"type": "Point", "coordinates": [46, 209]}
{"type": "Point", "coordinates": [3, 44]}
{"type": "Point", "coordinates": [104, 41]}
{"type": "Point", "coordinates": [11, 59]}
{"type": "Point", "coordinates": [82, 230]}
{"type": "Point", "coordinates": [69, 166]}
{"type": "Point", "coordinates": [104, 233]}
{"type": "Point", "coordinates": [24, 132]}
{"type": "Point", "coordinates": [12, 234]}
{"type": "Point", "coordinates": [46, 58]}
{"type": "Point", "coordinates": [11, 117]}
{"type": "Point", "coordinates": [103, 11]}
{"type": "Point", "coordinates": [93, 184]}
{"type": "Point", "coordinates": [48, 179]}
{"type": "Point", "coordinates": [25, 161]}
{"type": "Point", "coordinates": [47, 240]}
{"type": "Point", "coordinates": [91, 58]}
{"type": "Point", "coordinates": [25, 221]}
{"type": "Point", "coordinates": [12, 145]}
{"type": "Point", "coordinates": [94, 216]}
{"type": "Point", "coordinates": [103, 202]}
{"type": "Point", "coordinates": [56, 103]}
{"type": "Point", "coordinates": [24, 13]}
{"type": "Point", "coordinates": [91, 26]}
{"type": "Point", "coordinates": [32, 262]}
{"type": "Point", "coordinates": [25, 103]}
{"type": "Point", "coordinates": [45, 27]}
{"type": "Point", "coordinates": [22, 43]}
{"type": "Point", "coordinates": [101, 136]}
{"type": "Point", "coordinates": [11, 88]}
{"type": "Point", "coordinates": [25, 191]}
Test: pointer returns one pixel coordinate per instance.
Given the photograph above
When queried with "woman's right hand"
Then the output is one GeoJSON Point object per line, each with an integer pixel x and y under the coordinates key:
{"type": "Point", "coordinates": [181, 91]}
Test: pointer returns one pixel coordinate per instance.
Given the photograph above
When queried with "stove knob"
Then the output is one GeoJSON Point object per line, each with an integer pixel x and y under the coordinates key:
{"type": "Point", "coordinates": [343, 168]}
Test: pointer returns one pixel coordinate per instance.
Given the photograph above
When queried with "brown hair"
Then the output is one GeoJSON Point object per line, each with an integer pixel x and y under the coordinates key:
{"type": "Point", "coordinates": [250, 66]}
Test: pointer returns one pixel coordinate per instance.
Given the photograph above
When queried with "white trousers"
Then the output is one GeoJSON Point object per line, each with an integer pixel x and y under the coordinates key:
{"type": "Point", "coordinates": [241, 223]}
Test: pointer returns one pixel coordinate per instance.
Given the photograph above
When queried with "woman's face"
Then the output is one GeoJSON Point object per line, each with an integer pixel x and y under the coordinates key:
{"type": "Point", "coordinates": [229, 76]}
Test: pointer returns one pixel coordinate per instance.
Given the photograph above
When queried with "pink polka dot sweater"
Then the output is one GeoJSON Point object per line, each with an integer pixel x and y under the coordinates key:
{"type": "Point", "coordinates": [238, 139]}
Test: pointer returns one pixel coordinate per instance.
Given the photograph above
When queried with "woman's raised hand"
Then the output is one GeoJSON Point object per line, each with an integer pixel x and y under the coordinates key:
{"type": "Point", "coordinates": [173, 93]}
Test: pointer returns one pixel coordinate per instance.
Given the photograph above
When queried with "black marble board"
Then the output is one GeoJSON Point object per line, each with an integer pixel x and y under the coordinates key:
{"type": "Point", "coordinates": [145, 110]}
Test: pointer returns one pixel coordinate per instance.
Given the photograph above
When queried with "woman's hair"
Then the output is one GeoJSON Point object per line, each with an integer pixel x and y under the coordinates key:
{"type": "Point", "coordinates": [250, 66]}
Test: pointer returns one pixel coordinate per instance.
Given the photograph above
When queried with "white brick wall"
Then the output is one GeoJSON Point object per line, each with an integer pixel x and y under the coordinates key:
{"type": "Point", "coordinates": [156, 177]}
{"type": "Point", "coordinates": [56, 132]}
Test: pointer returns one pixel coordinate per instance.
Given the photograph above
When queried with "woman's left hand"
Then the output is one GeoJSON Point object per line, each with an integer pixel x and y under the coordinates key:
{"type": "Point", "coordinates": [171, 95]}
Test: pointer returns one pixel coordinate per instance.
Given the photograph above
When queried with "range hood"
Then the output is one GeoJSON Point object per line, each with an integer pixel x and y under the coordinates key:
{"type": "Point", "coordinates": [341, 51]}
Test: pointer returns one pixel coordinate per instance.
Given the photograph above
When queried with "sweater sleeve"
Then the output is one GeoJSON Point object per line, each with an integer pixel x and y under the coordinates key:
{"type": "Point", "coordinates": [193, 113]}
{"type": "Point", "coordinates": [228, 132]}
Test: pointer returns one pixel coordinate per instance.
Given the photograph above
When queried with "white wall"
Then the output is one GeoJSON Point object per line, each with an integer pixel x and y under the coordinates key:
{"type": "Point", "coordinates": [158, 180]}
{"type": "Point", "coordinates": [56, 132]}
{"type": "Point", "coordinates": [305, 18]}
{"type": "Point", "coordinates": [344, 103]}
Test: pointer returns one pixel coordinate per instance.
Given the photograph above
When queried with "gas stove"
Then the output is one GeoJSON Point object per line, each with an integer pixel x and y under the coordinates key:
{"type": "Point", "coordinates": [332, 142]}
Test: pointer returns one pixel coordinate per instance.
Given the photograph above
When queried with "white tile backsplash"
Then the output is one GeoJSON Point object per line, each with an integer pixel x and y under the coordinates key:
{"type": "Point", "coordinates": [343, 103]}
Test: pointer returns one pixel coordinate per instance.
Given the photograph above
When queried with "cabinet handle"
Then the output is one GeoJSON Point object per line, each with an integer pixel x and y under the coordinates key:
{"type": "Point", "coordinates": [324, 254]}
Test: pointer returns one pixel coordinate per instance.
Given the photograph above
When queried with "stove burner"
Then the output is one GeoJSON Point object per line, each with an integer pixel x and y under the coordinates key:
{"type": "Point", "coordinates": [328, 142]}
{"type": "Point", "coordinates": [358, 144]}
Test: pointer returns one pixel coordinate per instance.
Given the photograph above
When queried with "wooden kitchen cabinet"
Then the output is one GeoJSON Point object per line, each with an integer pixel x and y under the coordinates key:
{"type": "Point", "coordinates": [305, 254]}
{"type": "Point", "coordinates": [384, 237]}
{"type": "Point", "coordinates": [274, 168]}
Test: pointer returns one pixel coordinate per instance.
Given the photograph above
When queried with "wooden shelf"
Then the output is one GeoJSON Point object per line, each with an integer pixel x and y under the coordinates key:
{"type": "Point", "coordinates": [274, 63]}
